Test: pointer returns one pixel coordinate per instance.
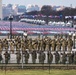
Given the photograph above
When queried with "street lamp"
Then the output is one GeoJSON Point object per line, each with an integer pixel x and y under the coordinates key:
{"type": "Point", "coordinates": [74, 40]}
{"type": "Point", "coordinates": [10, 19]}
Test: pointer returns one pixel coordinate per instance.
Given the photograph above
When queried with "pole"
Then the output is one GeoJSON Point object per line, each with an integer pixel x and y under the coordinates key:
{"type": "Point", "coordinates": [10, 29]}
{"type": "Point", "coordinates": [10, 19]}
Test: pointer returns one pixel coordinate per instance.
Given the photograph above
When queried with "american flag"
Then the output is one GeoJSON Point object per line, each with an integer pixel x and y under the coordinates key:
{"type": "Point", "coordinates": [17, 27]}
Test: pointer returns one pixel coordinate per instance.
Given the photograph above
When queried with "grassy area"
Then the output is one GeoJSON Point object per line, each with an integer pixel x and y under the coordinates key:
{"type": "Point", "coordinates": [38, 72]}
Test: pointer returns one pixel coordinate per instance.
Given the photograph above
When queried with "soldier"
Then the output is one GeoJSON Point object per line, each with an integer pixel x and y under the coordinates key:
{"type": "Point", "coordinates": [64, 58]}
{"type": "Point", "coordinates": [41, 57]}
{"type": "Point", "coordinates": [26, 43]}
{"type": "Point", "coordinates": [69, 56]}
{"type": "Point", "coordinates": [34, 56]}
{"type": "Point", "coordinates": [12, 46]}
{"type": "Point", "coordinates": [35, 44]}
{"type": "Point", "coordinates": [64, 44]}
{"type": "Point", "coordinates": [1, 45]}
{"type": "Point", "coordinates": [75, 58]}
{"type": "Point", "coordinates": [39, 43]}
{"type": "Point", "coordinates": [5, 44]}
{"type": "Point", "coordinates": [57, 57]}
{"type": "Point", "coordinates": [19, 44]}
{"type": "Point", "coordinates": [58, 44]}
{"type": "Point", "coordinates": [47, 41]}
{"type": "Point", "coordinates": [18, 57]}
{"type": "Point", "coordinates": [16, 43]}
{"type": "Point", "coordinates": [7, 57]}
{"type": "Point", "coordinates": [72, 55]}
{"type": "Point", "coordinates": [49, 57]}
{"type": "Point", "coordinates": [30, 44]}
{"type": "Point", "coordinates": [53, 44]}
{"type": "Point", "coordinates": [43, 44]}
{"type": "Point", "coordinates": [23, 48]}
{"type": "Point", "coordinates": [70, 44]}
{"type": "Point", "coordinates": [0, 57]}
{"type": "Point", "coordinates": [26, 55]}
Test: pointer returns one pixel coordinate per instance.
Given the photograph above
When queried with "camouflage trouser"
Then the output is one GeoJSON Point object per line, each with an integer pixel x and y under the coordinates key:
{"type": "Point", "coordinates": [53, 48]}
{"type": "Point", "coordinates": [18, 61]}
{"type": "Point", "coordinates": [74, 61]}
{"type": "Point", "coordinates": [58, 48]}
{"type": "Point", "coordinates": [26, 61]}
{"type": "Point", "coordinates": [1, 50]}
{"type": "Point", "coordinates": [42, 61]}
{"type": "Point", "coordinates": [30, 47]}
{"type": "Point", "coordinates": [63, 48]}
{"type": "Point", "coordinates": [47, 47]}
{"type": "Point", "coordinates": [17, 49]}
{"type": "Point", "coordinates": [69, 48]}
{"type": "Point", "coordinates": [63, 61]}
{"type": "Point", "coordinates": [56, 60]}
{"type": "Point", "coordinates": [33, 61]}
{"type": "Point", "coordinates": [38, 46]}
{"type": "Point", "coordinates": [49, 61]}
{"type": "Point", "coordinates": [6, 61]}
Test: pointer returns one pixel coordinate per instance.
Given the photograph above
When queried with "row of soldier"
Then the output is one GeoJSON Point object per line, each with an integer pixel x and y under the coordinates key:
{"type": "Point", "coordinates": [61, 57]}
{"type": "Point", "coordinates": [46, 43]}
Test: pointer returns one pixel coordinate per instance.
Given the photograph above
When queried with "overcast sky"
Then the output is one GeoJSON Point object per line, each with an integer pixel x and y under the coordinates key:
{"type": "Point", "coordinates": [42, 2]}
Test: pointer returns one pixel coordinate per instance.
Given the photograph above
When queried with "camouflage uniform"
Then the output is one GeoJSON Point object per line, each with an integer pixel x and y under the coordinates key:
{"type": "Point", "coordinates": [75, 58]}
{"type": "Point", "coordinates": [5, 44]}
{"type": "Point", "coordinates": [57, 57]}
{"type": "Point", "coordinates": [18, 57]}
{"type": "Point", "coordinates": [16, 42]}
{"type": "Point", "coordinates": [12, 46]}
{"type": "Point", "coordinates": [39, 44]}
{"type": "Point", "coordinates": [72, 55]}
{"type": "Point", "coordinates": [35, 44]}
{"type": "Point", "coordinates": [26, 43]}
{"type": "Point", "coordinates": [58, 44]}
{"type": "Point", "coordinates": [64, 44]}
{"type": "Point", "coordinates": [23, 48]}
{"type": "Point", "coordinates": [44, 44]}
{"type": "Point", "coordinates": [34, 56]}
{"type": "Point", "coordinates": [53, 44]}
{"type": "Point", "coordinates": [26, 55]}
{"type": "Point", "coordinates": [0, 57]}
{"type": "Point", "coordinates": [70, 44]}
{"type": "Point", "coordinates": [30, 44]}
{"type": "Point", "coordinates": [47, 41]}
{"type": "Point", "coordinates": [64, 58]}
{"type": "Point", "coordinates": [49, 57]}
{"type": "Point", "coordinates": [41, 57]}
{"type": "Point", "coordinates": [7, 57]}
{"type": "Point", "coordinates": [69, 55]}
{"type": "Point", "coordinates": [1, 45]}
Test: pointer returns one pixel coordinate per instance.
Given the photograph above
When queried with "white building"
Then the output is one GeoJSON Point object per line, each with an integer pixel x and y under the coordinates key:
{"type": "Point", "coordinates": [15, 9]}
{"type": "Point", "coordinates": [30, 8]}
{"type": "Point", "coordinates": [0, 9]}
